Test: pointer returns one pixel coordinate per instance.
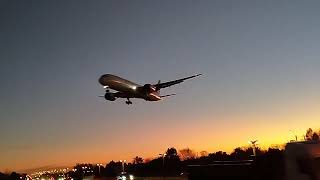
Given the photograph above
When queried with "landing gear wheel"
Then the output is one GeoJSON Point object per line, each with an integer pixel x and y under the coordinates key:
{"type": "Point", "coordinates": [106, 88]}
{"type": "Point", "coordinates": [128, 102]}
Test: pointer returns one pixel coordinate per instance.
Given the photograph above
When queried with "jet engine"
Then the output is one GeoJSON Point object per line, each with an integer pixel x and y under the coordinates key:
{"type": "Point", "coordinates": [109, 96]}
{"type": "Point", "coordinates": [148, 88]}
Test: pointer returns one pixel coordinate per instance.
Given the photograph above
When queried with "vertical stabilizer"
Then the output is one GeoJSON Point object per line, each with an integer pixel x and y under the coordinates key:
{"type": "Point", "coordinates": [158, 89]}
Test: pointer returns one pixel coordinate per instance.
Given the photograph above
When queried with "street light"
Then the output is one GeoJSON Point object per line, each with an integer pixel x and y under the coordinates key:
{"type": "Point", "coordinates": [123, 161]}
{"type": "Point", "coordinates": [163, 155]}
{"type": "Point", "coordinates": [295, 135]}
{"type": "Point", "coordinates": [99, 165]}
{"type": "Point", "coordinates": [253, 143]}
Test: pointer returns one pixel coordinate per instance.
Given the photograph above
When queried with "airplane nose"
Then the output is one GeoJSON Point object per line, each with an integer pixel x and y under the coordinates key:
{"type": "Point", "coordinates": [102, 80]}
{"type": "Point", "coordinates": [105, 79]}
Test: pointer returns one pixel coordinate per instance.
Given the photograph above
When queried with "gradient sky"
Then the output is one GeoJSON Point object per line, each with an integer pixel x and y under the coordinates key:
{"type": "Point", "coordinates": [260, 61]}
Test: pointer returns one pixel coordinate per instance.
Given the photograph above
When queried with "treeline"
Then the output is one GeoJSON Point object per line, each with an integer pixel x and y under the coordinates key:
{"type": "Point", "coordinates": [175, 163]}
{"type": "Point", "coordinates": [10, 176]}
{"type": "Point", "coordinates": [312, 135]}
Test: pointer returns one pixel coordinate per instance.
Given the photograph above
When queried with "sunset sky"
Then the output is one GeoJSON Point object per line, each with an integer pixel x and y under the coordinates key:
{"type": "Point", "coordinates": [260, 62]}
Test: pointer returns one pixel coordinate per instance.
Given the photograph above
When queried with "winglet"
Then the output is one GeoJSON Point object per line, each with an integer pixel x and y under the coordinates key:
{"type": "Point", "coordinates": [194, 76]}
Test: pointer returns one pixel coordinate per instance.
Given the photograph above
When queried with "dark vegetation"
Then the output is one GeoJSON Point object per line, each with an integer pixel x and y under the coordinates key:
{"type": "Point", "coordinates": [10, 176]}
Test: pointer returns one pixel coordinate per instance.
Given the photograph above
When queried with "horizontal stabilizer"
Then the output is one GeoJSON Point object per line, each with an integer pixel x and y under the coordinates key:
{"type": "Point", "coordinates": [168, 95]}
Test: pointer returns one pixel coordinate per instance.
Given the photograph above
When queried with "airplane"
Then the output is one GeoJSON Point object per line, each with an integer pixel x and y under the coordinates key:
{"type": "Point", "coordinates": [127, 89]}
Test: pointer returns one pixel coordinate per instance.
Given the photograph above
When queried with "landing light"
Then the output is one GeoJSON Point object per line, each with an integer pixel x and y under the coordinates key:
{"type": "Point", "coordinates": [134, 87]}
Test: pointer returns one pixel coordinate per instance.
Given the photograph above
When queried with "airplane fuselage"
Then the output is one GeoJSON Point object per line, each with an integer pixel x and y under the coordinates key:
{"type": "Point", "coordinates": [128, 88]}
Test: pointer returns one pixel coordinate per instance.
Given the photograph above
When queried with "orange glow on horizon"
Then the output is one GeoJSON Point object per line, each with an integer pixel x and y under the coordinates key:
{"type": "Point", "coordinates": [202, 138]}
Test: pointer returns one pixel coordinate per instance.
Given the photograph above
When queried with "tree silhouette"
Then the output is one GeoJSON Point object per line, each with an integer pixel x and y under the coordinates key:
{"type": "Point", "coordinates": [137, 160]}
{"type": "Point", "coordinates": [171, 163]}
{"type": "Point", "coordinates": [112, 169]}
{"type": "Point", "coordinates": [312, 135]}
{"type": "Point", "coordinates": [172, 154]}
{"type": "Point", "coordinates": [219, 156]}
{"type": "Point", "coordinates": [187, 153]}
{"type": "Point", "coordinates": [309, 134]}
{"type": "Point", "coordinates": [15, 176]}
{"type": "Point", "coordinates": [203, 153]}
{"type": "Point", "coordinates": [2, 176]}
{"type": "Point", "coordinates": [11, 176]}
{"type": "Point", "coordinates": [315, 136]}
{"type": "Point", "coordinates": [240, 154]}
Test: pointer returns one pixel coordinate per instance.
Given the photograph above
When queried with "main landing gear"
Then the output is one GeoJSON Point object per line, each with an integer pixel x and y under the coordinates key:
{"type": "Point", "coordinates": [128, 101]}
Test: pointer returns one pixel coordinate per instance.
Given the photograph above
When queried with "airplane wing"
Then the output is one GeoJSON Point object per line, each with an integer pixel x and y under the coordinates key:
{"type": "Point", "coordinates": [171, 83]}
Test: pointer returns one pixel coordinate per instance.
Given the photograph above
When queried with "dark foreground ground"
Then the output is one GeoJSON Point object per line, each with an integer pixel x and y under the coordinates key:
{"type": "Point", "coordinates": [150, 178]}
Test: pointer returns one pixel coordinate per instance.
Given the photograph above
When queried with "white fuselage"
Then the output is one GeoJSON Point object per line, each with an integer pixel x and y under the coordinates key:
{"type": "Point", "coordinates": [128, 87]}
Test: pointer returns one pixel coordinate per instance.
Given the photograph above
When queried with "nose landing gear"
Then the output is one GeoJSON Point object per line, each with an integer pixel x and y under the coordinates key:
{"type": "Point", "coordinates": [106, 88]}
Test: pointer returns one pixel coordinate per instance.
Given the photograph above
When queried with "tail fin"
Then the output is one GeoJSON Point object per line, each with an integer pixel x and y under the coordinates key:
{"type": "Point", "coordinates": [158, 89]}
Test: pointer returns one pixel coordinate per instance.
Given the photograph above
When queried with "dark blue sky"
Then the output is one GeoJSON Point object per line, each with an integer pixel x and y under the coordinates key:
{"type": "Point", "coordinates": [260, 61]}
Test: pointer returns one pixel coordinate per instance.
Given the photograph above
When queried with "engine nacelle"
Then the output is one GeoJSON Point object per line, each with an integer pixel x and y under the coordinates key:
{"type": "Point", "coordinates": [109, 96]}
{"type": "Point", "coordinates": [148, 88]}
